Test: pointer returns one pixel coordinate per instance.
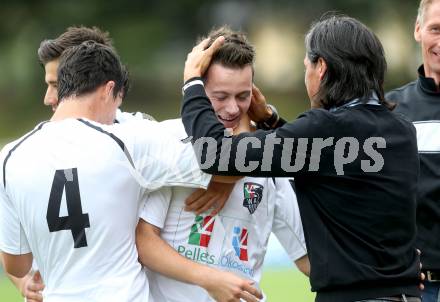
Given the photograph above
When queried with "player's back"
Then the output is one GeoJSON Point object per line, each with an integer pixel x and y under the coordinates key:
{"type": "Point", "coordinates": [77, 204]}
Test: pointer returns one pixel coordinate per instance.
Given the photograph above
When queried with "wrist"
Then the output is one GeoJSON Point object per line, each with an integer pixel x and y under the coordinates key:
{"type": "Point", "coordinates": [22, 285]}
{"type": "Point", "coordinates": [203, 276]}
{"type": "Point", "coordinates": [189, 75]}
{"type": "Point", "coordinates": [271, 118]}
{"type": "Point", "coordinates": [191, 82]}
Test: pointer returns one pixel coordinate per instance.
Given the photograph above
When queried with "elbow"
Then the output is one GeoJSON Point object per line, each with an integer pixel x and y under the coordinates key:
{"type": "Point", "coordinates": [16, 271]}
{"type": "Point", "coordinates": [17, 265]}
{"type": "Point", "coordinates": [146, 236]}
{"type": "Point", "coordinates": [303, 265]}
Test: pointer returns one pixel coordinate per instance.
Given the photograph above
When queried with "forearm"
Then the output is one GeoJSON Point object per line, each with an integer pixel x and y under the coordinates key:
{"type": "Point", "coordinates": [19, 282]}
{"type": "Point", "coordinates": [160, 257]}
{"type": "Point", "coordinates": [226, 179]}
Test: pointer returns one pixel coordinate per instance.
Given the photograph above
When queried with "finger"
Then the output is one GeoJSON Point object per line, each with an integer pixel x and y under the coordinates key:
{"type": "Point", "coordinates": [256, 92]}
{"type": "Point", "coordinates": [422, 276]}
{"type": "Point", "coordinates": [35, 287]}
{"type": "Point", "coordinates": [419, 251]}
{"type": "Point", "coordinates": [219, 205]}
{"type": "Point", "coordinates": [252, 290]}
{"type": "Point", "coordinates": [248, 297]}
{"type": "Point", "coordinates": [197, 204]}
{"type": "Point", "coordinates": [37, 276]}
{"type": "Point", "coordinates": [194, 196]}
{"type": "Point", "coordinates": [202, 45]}
{"type": "Point", "coordinates": [215, 46]}
{"type": "Point", "coordinates": [206, 206]}
{"type": "Point", "coordinates": [34, 296]}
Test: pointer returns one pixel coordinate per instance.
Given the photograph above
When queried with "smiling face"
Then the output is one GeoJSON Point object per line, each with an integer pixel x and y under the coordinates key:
{"type": "Point", "coordinates": [427, 33]}
{"type": "Point", "coordinates": [230, 91]}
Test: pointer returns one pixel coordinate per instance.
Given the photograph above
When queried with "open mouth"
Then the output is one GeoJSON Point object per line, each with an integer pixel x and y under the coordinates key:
{"type": "Point", "coordinates": [229, 122]}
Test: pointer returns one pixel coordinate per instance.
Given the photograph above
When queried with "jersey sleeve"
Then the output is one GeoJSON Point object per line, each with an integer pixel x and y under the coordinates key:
{"type": "Point", "coordinates": [12, 237]}
{"type": "Point", "coordinates": [155, 208]}
{"type": "Point", "coordinates": [164, 160]}
{"type": "Point", "coordinates": [287, 225]}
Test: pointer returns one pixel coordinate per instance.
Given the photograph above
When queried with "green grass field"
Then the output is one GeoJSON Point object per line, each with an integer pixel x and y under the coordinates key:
{"type": "Point", "coordinates": [279, 286]}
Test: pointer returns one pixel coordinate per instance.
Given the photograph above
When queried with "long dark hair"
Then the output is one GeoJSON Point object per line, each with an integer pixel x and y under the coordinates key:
{"type": "Point", "coordinates": [355, 60]}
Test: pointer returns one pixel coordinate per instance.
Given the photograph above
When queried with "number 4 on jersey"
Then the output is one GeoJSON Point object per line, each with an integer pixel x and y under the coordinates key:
{"type": "Point", "coordinates": [76, 221]}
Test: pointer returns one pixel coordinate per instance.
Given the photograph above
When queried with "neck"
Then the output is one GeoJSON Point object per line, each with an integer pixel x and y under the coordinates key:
{"type": "Point", "coordinates": [431, 74]}
{"type": "Point", "coordinates": [244, 125]}
{"type": "Point", "coordinates": [78, 107]}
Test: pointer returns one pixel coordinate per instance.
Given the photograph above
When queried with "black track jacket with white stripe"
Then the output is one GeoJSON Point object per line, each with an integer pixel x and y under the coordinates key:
{"type": "Point", "coordinates": [419, 101]}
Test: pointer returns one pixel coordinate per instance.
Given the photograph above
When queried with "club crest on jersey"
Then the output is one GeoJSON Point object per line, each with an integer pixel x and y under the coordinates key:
{"type": "Point", "coordinates": [201, 230]}
{"type": "Point", "coordinates": [253, 193]}
{"type": "Point", "coordinates": [239, 242]}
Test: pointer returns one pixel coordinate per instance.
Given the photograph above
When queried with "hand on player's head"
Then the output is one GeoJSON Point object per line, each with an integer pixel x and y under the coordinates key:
{"type": "Point", "coordinates": [199, 58]}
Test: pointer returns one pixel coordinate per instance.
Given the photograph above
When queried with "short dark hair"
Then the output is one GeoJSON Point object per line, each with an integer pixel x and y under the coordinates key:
{"type": "Point", "coordinates": [236, 51]}
{"type": "Point", "coordinates": [355, 60]}
{"type": "Point", "coordinates": [85, 67]}
{"type": "Point", "coordinates": [52, 49]}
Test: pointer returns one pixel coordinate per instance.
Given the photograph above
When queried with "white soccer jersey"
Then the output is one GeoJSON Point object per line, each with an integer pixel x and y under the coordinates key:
{"type": "Point", "coordinates": [70, 194]}
{"type": "Point", "coordinates": [122, 116]}
{"type": "Point", "coordinates": [234, 240]}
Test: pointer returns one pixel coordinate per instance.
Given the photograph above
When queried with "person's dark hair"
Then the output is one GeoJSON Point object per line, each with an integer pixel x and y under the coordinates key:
{"type": "Point", "coordinates": [236, 51]}
{"type": "Point", "coordinates": [85, 67]}
{"type": "Point", "coordinates": [52, 49]}
{"type": "Point", "coordinates": [355, 60]}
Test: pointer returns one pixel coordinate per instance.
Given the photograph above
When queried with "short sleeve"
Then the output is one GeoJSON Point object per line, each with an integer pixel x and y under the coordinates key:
{"type": "Point", "coordinates": [155, 208]}
{"type": "Point", "coordinates": [12, 237]}
{"type": "Point", "coordinates": [164, 160]}
{"type": "Point", "coordinates": [287, 225]}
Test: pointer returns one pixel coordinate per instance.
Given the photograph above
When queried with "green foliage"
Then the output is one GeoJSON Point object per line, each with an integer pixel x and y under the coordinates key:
{"type": "Point", "coordinates": [153, 38]}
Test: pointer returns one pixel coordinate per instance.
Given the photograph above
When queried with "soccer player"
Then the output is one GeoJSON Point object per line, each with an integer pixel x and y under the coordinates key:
{"type": "Point", "coordinates": [355, 163]}
{"type": "Point", "coordinates": [50, 51]}
{"type": "Point", "coordinates": [49, 54]}
{"type": "Point", "coordinates": [236, 238]}
{"type": "Point", "coordinates": [419, 101]}
{"type": "Point", "coordinates": [71, 189]}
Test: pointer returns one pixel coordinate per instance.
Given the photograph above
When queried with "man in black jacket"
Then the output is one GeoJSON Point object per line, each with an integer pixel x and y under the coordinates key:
{"type": "Point", "coordinates": [355, 163]}
{"type": "Point", "coordinates": [419, 101]}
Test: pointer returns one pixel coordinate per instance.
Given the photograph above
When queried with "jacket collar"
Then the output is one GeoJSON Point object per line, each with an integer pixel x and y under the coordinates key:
{"type": "Point", "coordinates": [428, 85]}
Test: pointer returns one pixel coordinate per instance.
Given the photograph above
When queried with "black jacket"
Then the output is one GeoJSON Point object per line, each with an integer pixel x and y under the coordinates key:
{"type": "Point", "coordinates": [419, 101]}
{"type": "Point", "coordinates": [359, 226]}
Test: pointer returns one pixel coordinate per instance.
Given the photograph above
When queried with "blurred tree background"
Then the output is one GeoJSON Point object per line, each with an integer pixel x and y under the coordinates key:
{"type": "Point", "coordinates": [153, 38]}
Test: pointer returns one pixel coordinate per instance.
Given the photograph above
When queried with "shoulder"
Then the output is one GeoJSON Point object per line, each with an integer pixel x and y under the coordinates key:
{"type": "Point", "coordinates": [308, 124]}
{"type": "Point", "coordinates": [174, 127]}
{"type": "Point", "coordinates": [399, 94]}
{"type": "Point", "coordinates": [123, 117]}
{"type": "Point", "coordinates": [11, 146]}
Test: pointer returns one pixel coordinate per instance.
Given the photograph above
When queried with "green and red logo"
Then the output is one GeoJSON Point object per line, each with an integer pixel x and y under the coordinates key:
{"type": "Point", "coordinates": [253, 193]}
{"type": "Point", "coordinates": [239, 242]}
{"type": "Point", "coordinates": [201, 230]}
